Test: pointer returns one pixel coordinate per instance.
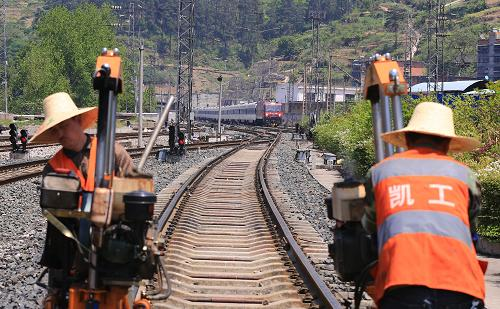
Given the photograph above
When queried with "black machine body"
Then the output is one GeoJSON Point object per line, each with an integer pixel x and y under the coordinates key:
{"type": "Point", "coordinates": [353, 248]}
{"type": "Point", "coordinates": [124, 255]}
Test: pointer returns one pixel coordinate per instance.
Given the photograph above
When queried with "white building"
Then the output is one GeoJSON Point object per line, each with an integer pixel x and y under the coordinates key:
{"type": "Point", "coordinates": [296, 92]}
{"type": "Point", "coordinates": [296, 108]}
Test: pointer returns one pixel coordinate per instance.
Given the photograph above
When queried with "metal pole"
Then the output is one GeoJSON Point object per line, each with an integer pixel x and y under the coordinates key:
{"type": "Point", "coordinates": [386, 121]}
{"type": "Point", "coordinates": [343, 92]}
{"type": "Point", "coordinates": [397, 114]}
{"type": "Point", "coordinates": [334, 95]}
{"type": "Point", "coordinates": [152, 140]}
{"type": "Point", "coordinates": [219, 132]}
{"type": "Point", "coordinates": [329, 84]}
{"type": "Point", "coordinates": [5, 81]}
{"type": "Point", "coordinates": [377, 130]}
{"type": "Point", "coordinates": [141, 92]}
{"type": "Point", "coordinates": [304, 99]}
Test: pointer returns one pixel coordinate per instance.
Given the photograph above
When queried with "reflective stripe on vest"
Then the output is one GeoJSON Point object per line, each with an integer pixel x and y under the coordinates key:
{"type": "Point", "coordinates": [421, 221]}
{"type": "Point", "coordinates": [419, 167]}
{"type": "Point", "coordinates": [60, 160]}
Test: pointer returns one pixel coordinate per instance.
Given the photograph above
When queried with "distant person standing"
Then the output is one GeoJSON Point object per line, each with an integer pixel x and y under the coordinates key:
{"type": "Point", "coordinates": [171, 137]}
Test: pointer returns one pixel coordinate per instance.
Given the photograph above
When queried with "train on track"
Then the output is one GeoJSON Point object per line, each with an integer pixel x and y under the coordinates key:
{"type": "Point", "coordinates": [257, 113]}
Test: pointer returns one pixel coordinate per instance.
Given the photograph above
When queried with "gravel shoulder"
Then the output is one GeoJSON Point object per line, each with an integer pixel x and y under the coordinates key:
{"type": "Point", "coordinates": [307, 196]}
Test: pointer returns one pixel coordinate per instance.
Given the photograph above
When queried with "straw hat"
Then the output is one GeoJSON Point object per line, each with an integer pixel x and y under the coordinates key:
{"type": "Point", "coordinates": [57, 108]}
{"type": "Point", "coordinates": [432, 119]}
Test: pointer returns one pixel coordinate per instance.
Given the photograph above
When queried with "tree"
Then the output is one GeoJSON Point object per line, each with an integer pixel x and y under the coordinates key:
{"type": "Point", "coordinates": [393, 22]}
{"type": "Point", "coordinates": [287, 48]}
{"type": "Point", "coordinates": [62, 56]}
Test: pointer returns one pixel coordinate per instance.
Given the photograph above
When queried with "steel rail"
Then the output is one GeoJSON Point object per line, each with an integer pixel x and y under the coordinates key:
{"type": "Point", "coordinates": [314, 282]}
{"type": "Point", "coordinates": [34, 168]}
{"type": "Point", "coordinates": [120, 136]}
{"type": "Point", "coordinates": [193, 179]}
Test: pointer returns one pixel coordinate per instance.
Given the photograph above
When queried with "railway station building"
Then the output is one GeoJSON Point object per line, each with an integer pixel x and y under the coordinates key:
{"type": "Point", "coordinates": [488, 56]}
{"type": "Point", "coordinates": [291, 95]}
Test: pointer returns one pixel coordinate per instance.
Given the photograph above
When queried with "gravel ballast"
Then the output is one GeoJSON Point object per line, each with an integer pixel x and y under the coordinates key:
{"type": "Point", "coordinates": [49, 151]}
{"type": "Point", "coordinates": [22, 230]}
{"type": "Point", "coordinates": [307, 196]}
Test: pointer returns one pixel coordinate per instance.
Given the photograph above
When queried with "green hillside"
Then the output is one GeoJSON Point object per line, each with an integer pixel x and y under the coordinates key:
{"type": "Point", "coordinates": [236, 36]}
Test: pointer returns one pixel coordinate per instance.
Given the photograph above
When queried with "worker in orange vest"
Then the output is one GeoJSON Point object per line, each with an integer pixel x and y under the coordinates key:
{"type": "Point", "coordinates": [65, 124]}
{"type": "Point", "coordinates": [422, 207]}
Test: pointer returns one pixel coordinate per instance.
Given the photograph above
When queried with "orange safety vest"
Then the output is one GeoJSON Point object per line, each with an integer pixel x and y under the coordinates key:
{"type": "Point", "coordinates": [423, 230]}
{"type": "Point", "coordinates": [61, 161]}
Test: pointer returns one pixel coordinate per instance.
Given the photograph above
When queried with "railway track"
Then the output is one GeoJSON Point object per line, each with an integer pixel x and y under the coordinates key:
{"type": "Point", "coordinates": [227, 245]}
{"type": "Point", "coordinates": [19, 171]}
{"type": "Point", "coordinates": [119, 136]}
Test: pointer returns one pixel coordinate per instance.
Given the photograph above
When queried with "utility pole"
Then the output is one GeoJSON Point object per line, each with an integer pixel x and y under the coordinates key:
{"type": "Point", "coordinates": [304, 98]}
{"type": "Point", "coordinates": [343, 92]}
{"type": "Point", "coordinates": [219, 132]}
{"type": "Point", "coordinates": [289, 91]}
{"type": "Point", "coordinates": [441, 34]}
{"type": "Point", "coordinates": [329, 93]}
{"type": "Point", "coordinates": [131, 48]}
{"type": "Point", "coordinates": [435, 44]}
{"type": "Point", "coordinates": [3, 51]}
{"type": "Point", "coordinates": [185, 45]}
{"type": "Point", "coordinates": [409, 45]}
{"type": "Point", "coordinates": [334, 95]}
{"type": "Point", "coordinates": [316, 20]}
{"type": "Point", "coordinates": [141, 91]}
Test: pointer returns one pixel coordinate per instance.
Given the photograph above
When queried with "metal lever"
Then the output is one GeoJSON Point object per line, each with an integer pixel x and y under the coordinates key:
{"type": "Point", "coordinates": [152, 140]}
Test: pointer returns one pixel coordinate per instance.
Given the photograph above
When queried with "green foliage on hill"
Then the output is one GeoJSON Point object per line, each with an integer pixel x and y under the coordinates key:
{"type": "Point", "coordinates": [61, 57]}
{"type": "Point", "coordinates": [229, 35]}
{"type": "Point", "coordinates": [238, 33]}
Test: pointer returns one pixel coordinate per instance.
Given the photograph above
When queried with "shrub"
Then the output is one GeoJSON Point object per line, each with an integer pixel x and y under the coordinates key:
{"type": "Point", "coordinates": [349, 136]}
{"type": "Point", "coordinates": [489, 219]}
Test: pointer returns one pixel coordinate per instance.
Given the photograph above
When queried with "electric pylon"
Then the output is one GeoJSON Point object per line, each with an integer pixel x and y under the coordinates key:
{"type": "Point", "coordinates": [316, 19]}
{"type": "Point", "coordinates": [185, 45]}
{"type": "Point", "coordinates": [435, 44]}
{"type": "Point", "coordinates": [3, 53]}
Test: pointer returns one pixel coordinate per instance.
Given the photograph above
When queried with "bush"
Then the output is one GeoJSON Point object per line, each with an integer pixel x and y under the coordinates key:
{"type": "Point", "coordinates": [349, 136]}
{"type": "Point", "coordinates": [489, 219]}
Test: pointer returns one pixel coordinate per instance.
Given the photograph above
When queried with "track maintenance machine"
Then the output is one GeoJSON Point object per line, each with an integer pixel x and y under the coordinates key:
{"type": "Point", "coordinates": [116, 238]}
{"type": "Point", "coordinates": [354, 251]}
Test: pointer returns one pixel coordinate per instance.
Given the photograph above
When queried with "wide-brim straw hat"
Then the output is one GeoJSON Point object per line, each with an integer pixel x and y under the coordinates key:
{"type": "Point", "coordinates": [59, 107]}
{"type": "Point", "coordinates": [432, 119]}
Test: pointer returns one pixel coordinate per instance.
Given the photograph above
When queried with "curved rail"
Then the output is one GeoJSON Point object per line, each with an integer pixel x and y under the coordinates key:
{"type": "Point", "coordinates": [316, 285]}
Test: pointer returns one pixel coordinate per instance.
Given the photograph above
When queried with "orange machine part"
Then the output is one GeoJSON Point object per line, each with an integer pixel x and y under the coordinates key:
{"type": "Point", "coordinates": [142, 304]}
{"type": "Point", "coordinates": [114, 298]}
{"type": "Point", "coordinates": [114, 61]}
{"type": "Point", "coordinates": [378, 74]}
